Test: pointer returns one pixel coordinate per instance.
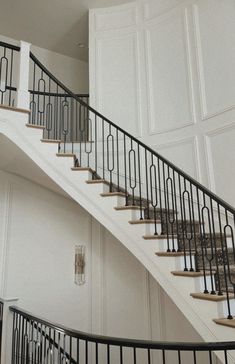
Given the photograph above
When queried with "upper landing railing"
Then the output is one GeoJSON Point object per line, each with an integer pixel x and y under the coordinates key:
{"type": "Point", "coordinates": [8, 76]}
{"type": "Point", "coordinates": [190, 218]}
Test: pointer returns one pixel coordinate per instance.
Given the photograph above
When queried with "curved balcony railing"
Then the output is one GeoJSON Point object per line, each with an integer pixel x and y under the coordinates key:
{"type": "Point", "coordinates": [186, 215]}
{"type": "Point", "coordinates": [38, 341]}
{"type": "Point", "coordinates": [8, 75]}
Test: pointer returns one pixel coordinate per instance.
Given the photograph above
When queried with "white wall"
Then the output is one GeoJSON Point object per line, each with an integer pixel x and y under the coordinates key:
{"type": "Point", "coordinates": [38, 233]}
{"type": "Point", "coordinates": [70, 71]}
{"type": "Point", "coordinates": [164, 70]}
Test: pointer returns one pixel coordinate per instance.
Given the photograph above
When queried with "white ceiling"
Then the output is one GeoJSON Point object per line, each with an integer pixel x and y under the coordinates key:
{"type": "Point", "coordinates": [57, 25]}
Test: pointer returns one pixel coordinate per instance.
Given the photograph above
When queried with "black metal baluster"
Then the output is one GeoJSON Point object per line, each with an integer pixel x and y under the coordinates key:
{"type": "Point", "coordinates": [103, 148]}
{"type": "Point", "coordinates": [125, 168]}
{"type": "Point", "coordinates": [110, 155]}
{"type": "Point", "coordinates": [214, 245]}
{"type": "Point", "coordinates": [147, 184]}
{"type": "Point", "coordinates": [117, 157]}
{"type": "Point", "coordinates": [209, 257]}
{"type": "Point", "coordinates": [140, 187]}
{"type": "Point", "coordinates": [166, 225]}
{"type": "Point", "coordinates": [108, 354]}
{"type": "Point", "coordinates": [96, 353]}
{"type": "Point", "coordinates": [153, 192]}
{"type": "Point", "coordinates": [170, 206]}
{"type": "Point", "coordinates": [11, 75]}
{"type": "Point", "coordinates": [132, 176]}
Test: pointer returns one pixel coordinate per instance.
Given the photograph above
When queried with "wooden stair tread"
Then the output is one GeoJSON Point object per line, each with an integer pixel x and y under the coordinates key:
{"type": "Point", "coordinates": [16, 109]}
{"type": "Point", "coordinates": [144, 221]}
{"type": "Point", "coordinates": [35, 126]}
{"type": "Point", "coordinates": [94, 181]}
{"type": "Point", "coordinates": [171, 254]}
{"type": "Point", "coordinates": [110, 194]}
{"type": "Point", "coordinates": [66, 155]}
{"type": "Point", "coordinates": [83, 169]}
{"type": "Point", "coordinates": [211, 297]}
{"type": "Point", "coordinates": [50, 140]}
{"type": "Point", "coordinates": [189, 274]}
{"type": "Point", "coordinates": [158, 237]}
{"type": "Point", "coordinates": [225, 322]}
{"type": "Point", "coordinates": [121, 208]}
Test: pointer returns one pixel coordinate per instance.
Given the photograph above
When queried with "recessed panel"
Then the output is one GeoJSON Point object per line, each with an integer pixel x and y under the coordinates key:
{"type": "Point", "coordinates": [215, 34]}
{"type": "Point", "coordinates": [223, 162]}
{"type": "Point", "coordinates": [183, 154]}
{"type": "Point", "coordinates": [118, 81]}
{"type": "Point", "coordinates": [124, 286]}
{"type": "Point", "coordinates": [169, 73]}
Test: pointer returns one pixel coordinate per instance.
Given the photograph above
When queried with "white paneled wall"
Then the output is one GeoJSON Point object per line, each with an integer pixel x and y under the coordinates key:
{"type": "Point", "coordinates": [164, 70]}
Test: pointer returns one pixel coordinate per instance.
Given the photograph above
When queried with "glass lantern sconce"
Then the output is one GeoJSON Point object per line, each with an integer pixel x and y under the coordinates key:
{"type": "Point", "coordinates": [79, 277]}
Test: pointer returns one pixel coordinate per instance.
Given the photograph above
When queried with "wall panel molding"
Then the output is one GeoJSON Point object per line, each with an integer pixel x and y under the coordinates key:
{"type": "Point", "coordinates": [180, 16]}
{"type": "Point", "coordinates": [205, 113]}
{"type": "Point", "coordinates": [193, 142]}
{"type": "Point", "coordinates": [136, 112]}
{"type": "Point", "coordinates": [209, 155]}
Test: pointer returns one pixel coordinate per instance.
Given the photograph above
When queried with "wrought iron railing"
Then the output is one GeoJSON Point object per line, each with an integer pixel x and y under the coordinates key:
{"type": "Point", "coordinates": [186, 215]}
{"type": "Point", "coordinates": [55, 108]}
{"type": "Point", "coordinates": [1, 323]}
{"type": "Point", "coordinates": [36, 340]}
{"type": "Point", "coordinates": [191, 218]}
{"type": "Point", "coordinates": [8, 74]}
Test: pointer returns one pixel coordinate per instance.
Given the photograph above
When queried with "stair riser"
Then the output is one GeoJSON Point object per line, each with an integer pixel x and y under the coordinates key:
{"type": "Point", "coordinates": [99, 188]}
{"type": "Point", "coordinates": [82, 176]}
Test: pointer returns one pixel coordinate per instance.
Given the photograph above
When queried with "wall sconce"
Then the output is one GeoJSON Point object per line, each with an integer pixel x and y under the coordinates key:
{"type": "Point", "coordinates": [79, 277]}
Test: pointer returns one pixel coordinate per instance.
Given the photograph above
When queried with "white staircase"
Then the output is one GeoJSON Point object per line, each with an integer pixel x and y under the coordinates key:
{"type": "Point", "coordinates": [123, 223]}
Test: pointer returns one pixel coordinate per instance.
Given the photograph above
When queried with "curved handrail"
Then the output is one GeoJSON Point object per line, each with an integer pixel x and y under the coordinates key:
{"type": "Point", "coordinates": [197, 184]}
{"type": "Point", "coordinates": [114, 341]}
{"type": "Point", "coordinates": [10, 46]}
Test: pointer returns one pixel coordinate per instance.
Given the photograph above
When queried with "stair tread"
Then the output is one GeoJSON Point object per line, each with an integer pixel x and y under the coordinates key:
{"type": "Point", "coordinates": [171, 254]}
{"type": "Point", "coordinates": [110, 194]}
{"type": "Point", "coordinates": [189, 274]}
{"type": "Point", "coordinates": [144, 221]}
{"type": "Point", "coordinates": [50, 140]}
{"type": "Point", "coordinates": [16, 109]}
{"type": "Point", "coordinates": [66, 154]}
{"type": "Point", "coordinates": [120, 208]}
{"type": "Point", "coordinates": [94, 181]}
{"type": "Point", "coordinates": [225, 322]}
{"type": "Point", "coordinates": [83, 169]}
{"type": "Point", "coordinates": [211, 297]}
{"type": "Point", "coordinates": [158, 237]}
{"type": "Point", "coordinates": [35, 126]}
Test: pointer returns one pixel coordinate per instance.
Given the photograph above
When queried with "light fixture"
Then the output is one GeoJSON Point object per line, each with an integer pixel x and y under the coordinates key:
{"type": "Point", "coordinates": [79, 273]}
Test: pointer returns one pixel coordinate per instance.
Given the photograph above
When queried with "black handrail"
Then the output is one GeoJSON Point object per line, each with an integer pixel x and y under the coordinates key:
{"type": "Point", "coordinates": [10, 46]}
{"type": "Point", "coordinates": [134, 139]}
{"type": "Point", "coordinates": [124, 342]}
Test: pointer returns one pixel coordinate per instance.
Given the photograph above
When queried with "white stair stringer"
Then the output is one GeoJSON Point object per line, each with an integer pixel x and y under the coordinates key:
{"type": "Point", "coordinates": [199, 313]}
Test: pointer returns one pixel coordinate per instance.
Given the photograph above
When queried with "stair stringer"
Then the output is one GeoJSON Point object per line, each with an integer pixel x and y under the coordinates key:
{"type": "Point", "coordinates": [199, 313]}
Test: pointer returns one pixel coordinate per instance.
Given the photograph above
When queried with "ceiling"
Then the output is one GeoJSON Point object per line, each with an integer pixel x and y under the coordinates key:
{"type": "Point", "coordinates": [57, 25]}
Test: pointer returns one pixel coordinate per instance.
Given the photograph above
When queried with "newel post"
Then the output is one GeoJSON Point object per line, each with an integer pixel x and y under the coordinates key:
{"type": "Point", "coordinates": [6, 329]}
{"type": "Point", "coordinates": [23, 98]}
